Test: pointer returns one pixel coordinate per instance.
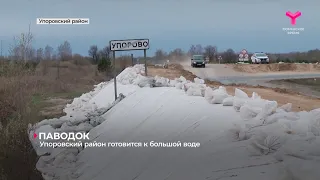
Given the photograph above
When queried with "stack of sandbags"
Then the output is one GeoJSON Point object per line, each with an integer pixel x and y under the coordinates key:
{"type": "Point", "coordinates": [239, 100]}
{"type": "Point", "coordinates": [195, 89]}
{"type": "Point", "coordinates": [216, 96]}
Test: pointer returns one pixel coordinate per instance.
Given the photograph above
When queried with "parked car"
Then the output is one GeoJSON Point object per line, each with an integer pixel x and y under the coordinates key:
{"type": "Point", "coordinates": [260, 57]}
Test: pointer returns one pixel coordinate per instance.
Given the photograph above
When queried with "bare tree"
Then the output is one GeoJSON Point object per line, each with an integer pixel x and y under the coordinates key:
{"type": "Point", "coordinates": [22, 47]}
{"type": "Point", "coordinates": [65, 51]}
{"type": "Point", "coordinates": [31, 54]}
{"type": "Point", "coordinates": [48, 52]}
{"type": "Point", "coordinates": [229, 56]}
{"type": "Point", "coordinates": [93, 52]}
{"type": "Point", "coordinates": [192, 50]}
{"type": "Point", "coordinates": [199, 49]}
{"type": "Point", "coordinates": [105, 52]}
{"type": "Point", "coordinates": [160, 55]}
{"type": "Point", "coordinates": [176, 54]}
{"type": "Point", "coordinates": [15, 52]}
{"type": "Point", "coordinates": [196, 50]}
{"type": "Point", "coordinates": [210, 51]}
{"type": "Point", "coordinates": [54, 56]}
{"type": "Point", "coordinates": [39, 54]}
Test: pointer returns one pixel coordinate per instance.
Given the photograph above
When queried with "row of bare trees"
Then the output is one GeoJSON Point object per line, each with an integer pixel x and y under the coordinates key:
{"type": "Point", "coordinates": [209, 51]}
{"type": "Point", "coordinates": [230, 56]}
{"type": "Point", "coordinates": [95, 53]}
{"type": "Point", "coordinates": [22, 50]}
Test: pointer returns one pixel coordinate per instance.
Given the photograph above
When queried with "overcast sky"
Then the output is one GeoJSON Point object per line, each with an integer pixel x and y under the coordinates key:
{"type": "Point", "coordinates": [252, 24]}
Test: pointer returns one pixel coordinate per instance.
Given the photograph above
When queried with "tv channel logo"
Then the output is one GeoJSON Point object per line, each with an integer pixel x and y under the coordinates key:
{"type": "Point", "coordinates": [293, 16]}
{"type": "Point", "coordinates": [293, 21]}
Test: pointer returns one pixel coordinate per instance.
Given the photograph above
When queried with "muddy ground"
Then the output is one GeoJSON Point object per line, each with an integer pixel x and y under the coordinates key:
{"type": "Point", "coordinates": [277, 67]}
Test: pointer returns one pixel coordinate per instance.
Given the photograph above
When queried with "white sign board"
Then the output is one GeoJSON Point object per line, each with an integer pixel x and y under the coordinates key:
{"type": "Point", "coordinates": [243, 56]}
{"type": "Point", "coordinates": [129, 44]}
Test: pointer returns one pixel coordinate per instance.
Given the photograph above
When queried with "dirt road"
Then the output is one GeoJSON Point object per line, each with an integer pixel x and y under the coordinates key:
{"type": "Point", "coordinates": [232, 74]}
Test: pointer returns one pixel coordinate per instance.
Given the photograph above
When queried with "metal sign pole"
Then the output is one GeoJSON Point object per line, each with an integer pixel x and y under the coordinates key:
{"type": "Point", "coordinates": [128, 45]}
{"type": "Point", "coordinates": [114, 75]}
{"type": "Point", "coordinates": [145, 61]}
{"type": "Point", "coordinates": [132, 59]}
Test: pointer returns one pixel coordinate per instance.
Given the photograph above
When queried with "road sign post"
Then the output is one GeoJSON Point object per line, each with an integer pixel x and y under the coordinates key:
{"type": "Point", "coordinates": [145, 61]}
{"type": "Point", "coordinates": [127, 45]}
{"type": "Point", "coordinates": [219, 58]}
{"type": "Point", "coordinates": [132, 62]}
{"type": "Point", "coordinates": [114, 75]}
{"type": "Point", "coordinates": [243, 56]}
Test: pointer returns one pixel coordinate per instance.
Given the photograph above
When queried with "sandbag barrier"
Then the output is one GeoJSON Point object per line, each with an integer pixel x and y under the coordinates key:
{"type": "Point", "coordinates": [269, 129]}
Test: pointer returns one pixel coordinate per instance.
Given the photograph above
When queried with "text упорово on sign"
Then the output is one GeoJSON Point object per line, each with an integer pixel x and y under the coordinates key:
{"type": "Point", "coordinates": [131, 44]}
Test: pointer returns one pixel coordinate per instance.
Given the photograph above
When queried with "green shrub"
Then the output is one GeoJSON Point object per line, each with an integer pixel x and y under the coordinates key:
{"type": "Point", "coordinates": [104, 64]}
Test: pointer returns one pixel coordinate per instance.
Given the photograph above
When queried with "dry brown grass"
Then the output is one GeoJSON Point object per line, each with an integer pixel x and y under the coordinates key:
{"type": "Point", "coordinates": [19, 88]}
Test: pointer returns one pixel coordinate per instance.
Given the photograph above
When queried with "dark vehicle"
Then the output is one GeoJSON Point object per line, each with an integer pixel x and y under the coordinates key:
{"type": "Point", "coordinates": [198, 61]}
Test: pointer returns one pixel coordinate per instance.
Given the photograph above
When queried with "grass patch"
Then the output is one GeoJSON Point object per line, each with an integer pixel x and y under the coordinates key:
{"type": "Point", "coordinates": [26, 95]}
{"type": "Point", "coordinates": [66, 95]}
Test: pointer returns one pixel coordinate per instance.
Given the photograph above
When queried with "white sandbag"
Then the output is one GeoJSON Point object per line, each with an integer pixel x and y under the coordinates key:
{"type": "Point", "coordinates": [269, 108]}
{"type": "Point", "coordinates": [203, 90]}
{"type": "Point", "coordinates": [265, 143]}
{"type": "Point", "coordinates": [202, 86]}
{"type": "Point", "coordinates": [314, 124]}
{"type": "Point", "coordinates": [238, 102]}
{"type": "Point", "coordinates": [249, 112]}
{"type": "Point", "coordinates": [182, 79]}
{"type": "Point", "coordinates": [186, 86]}
{"type": "Point", "coordinates": [255, 96]}
{"type": "Point", "coordinates": [228, 101]}
{"type": "Point", "coordinates": [172, 83]}
{"type": "Point", "coordinates": [192, 91]}
{"type": "Point", "coordinates": [208, 94]}
{"type": "Point", "coordinates": [221, 88]}
{"type": "Point", "coordinates": [256, 102]}
{"type": "Point", "coordinates": [161, 81]}
{"type": "Point", "coordinates": [143, 81]}
{"type": "Point", "coordinates": [179, 85]}
{"type": "Point", "coordinates": [315, 113]}
{"type": "Point", "coordinates": [240, 94]}
{"type": "Point", "coordinates": [198, 81]}
{"type": "Point", "coordinates": [218, 97]}
{"type": "Point", "coordinates": [281, 115]}
{"type": "Point", "coordinates": [240, 99]}
{"type": "Point", "coordinates": [286, 107]}
{"type": "Point", "coordinates": [237, 133]}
